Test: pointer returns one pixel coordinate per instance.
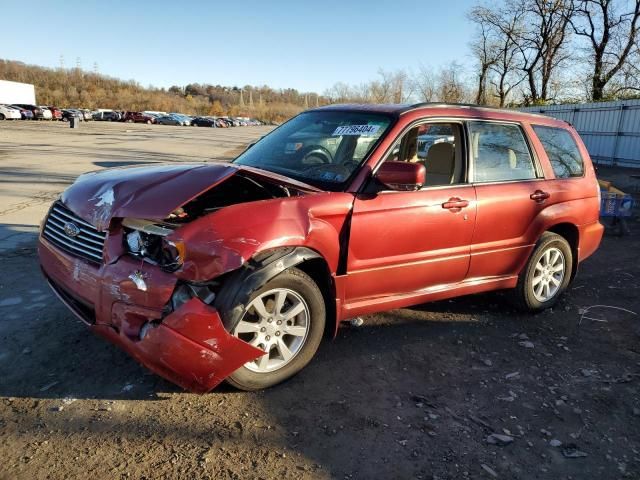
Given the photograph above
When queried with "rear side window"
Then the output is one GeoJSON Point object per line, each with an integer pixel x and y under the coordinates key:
{"type": "Point", "coordinates": [562, 151]}
{"type": "Point", "coordinates": [499, 153]}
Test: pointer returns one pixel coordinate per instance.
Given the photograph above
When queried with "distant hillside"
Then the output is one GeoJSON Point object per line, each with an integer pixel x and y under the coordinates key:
{"type": "Point", "coordinates": [81, 89]}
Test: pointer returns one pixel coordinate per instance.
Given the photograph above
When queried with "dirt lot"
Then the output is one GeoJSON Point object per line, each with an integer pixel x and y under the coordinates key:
{"type": "Point", "coordinates": [413, 393]}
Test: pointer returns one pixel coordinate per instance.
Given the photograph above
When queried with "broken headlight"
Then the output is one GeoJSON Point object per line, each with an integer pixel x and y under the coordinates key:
{"type": "Point", "coordinates": [147, 240]}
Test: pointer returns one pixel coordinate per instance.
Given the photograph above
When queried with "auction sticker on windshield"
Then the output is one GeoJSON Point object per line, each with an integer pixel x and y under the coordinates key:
{"type": "Point", "coordinates": [356, 130]}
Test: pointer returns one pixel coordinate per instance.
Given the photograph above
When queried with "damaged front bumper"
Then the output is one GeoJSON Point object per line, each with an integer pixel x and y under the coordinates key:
{"type": "Point", "coordinates": [189, 346]}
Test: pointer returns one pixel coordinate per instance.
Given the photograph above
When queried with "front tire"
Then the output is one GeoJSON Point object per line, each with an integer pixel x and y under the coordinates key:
{"type": "Point", "coordinates": [547, 274]}
{"type": "Point", "coordinates": [286, 318]}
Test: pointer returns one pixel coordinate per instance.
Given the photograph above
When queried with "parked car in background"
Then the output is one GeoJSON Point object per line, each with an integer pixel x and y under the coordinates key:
{"type": "Point", "coordinates": [433, 135]}
{"type": "Point", "coordinates": [86, 114]}
{"type": "Point", "coordinates": [46, 113]}
{"type": "Point", "coordinates": [168, 120]}
{"type": "Point", "coordinates": [106, 116]}
{"type": "Point", "coordinates": [55, 112]}
{"type": "Point", "coordinates": [69, 113]}
{"type": "Point", "coordinates": [9, 113]}
{"type": "Point", "coordinates": [185, 120]}
{"type": "Point", "coordinates": [24, 113]}
{"type": "Point", "coordinates": [204, 122]}
{"type": "Point", "coordinates": [38, 113]}
{"type": "Point", "coordinates": [138, 117]}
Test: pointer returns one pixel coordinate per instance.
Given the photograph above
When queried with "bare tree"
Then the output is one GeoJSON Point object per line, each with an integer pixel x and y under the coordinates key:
{"type": "Point", "coordinates": [391, 87]}
{"type": "Point", "coordinates": [542, 44]}
{"type": "Point", "coordinates": [505, 70]}
{"type": "Point", "coordinates": [613, 40]}
{"type": "Point", "coordinates": [451, 89]}
{"type": "Point", "coordinates": [423, 84]}
{"type": "Point", "coordinates": [538, 31]}
{"type": "Point", "coordinates": [339, 93]}
{"type": "Point", "coordinates": [484, 48]}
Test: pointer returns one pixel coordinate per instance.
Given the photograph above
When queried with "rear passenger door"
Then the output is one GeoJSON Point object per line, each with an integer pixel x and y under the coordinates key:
{"type": "Point", "coordinates": [510, 191]}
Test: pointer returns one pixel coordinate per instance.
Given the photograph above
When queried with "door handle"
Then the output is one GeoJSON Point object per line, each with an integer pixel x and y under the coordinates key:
{"type": "Point", "coordinates": [539, 196]}
{"type": "Point", "coordinates": [455, 204]}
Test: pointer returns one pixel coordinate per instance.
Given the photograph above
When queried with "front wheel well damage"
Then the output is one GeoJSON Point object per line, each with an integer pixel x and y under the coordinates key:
{"type": "Point", "coordinates": [237, 286]}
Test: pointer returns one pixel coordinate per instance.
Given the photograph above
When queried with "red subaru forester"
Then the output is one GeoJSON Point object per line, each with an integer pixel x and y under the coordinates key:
{"type": "Point", "coordinates": [205, 272]}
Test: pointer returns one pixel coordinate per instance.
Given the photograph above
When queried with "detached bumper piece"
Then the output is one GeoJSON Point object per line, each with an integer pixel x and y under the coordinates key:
{"type": "Point", "coordinates": [190, 347]}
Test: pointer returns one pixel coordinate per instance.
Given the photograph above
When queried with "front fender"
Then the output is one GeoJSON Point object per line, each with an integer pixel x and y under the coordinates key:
{"type": "Point", "coordinates": [232, 299]}
{"type": "Point", "coordinates": [226, 240]}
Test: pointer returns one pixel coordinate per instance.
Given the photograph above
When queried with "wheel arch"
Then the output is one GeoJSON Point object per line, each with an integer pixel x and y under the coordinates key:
{"type": "Point", "coordinates": [238, 285]}
{"type": "Point", "coordinates": [571, 234]}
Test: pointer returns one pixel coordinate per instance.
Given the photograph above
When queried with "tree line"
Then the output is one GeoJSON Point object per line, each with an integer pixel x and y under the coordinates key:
{"type": "Point", "coordinates": [76, 88]}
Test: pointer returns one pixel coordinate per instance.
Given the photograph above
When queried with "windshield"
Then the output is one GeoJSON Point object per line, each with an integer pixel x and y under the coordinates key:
{"type": "Point", "coordinates": [320, 148]}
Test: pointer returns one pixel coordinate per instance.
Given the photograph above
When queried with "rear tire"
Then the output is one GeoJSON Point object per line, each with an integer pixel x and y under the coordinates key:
{"type": "Point", "coordinates": [301, 292]}
{"type": "Point", "coordinates": [546, 275]}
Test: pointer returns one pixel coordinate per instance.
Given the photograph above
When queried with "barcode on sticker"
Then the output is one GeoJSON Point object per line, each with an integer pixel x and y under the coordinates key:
{"type": "Point", "coordinates": [356, 130]}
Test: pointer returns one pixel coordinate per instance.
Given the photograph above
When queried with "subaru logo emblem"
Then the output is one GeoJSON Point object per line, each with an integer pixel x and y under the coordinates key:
{"type": "Point", "coordinates": [71, 229]}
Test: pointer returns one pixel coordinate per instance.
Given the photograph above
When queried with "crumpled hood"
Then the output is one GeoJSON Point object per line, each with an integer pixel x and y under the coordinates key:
{"type": "Point", "coordinates": [153, 192]}
{"type": "Point", "coordinates": [150, 192]}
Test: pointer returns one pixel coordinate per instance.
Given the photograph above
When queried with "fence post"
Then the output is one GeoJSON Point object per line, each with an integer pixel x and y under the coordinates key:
{"type": "Point", "coordinates": [618, 135]}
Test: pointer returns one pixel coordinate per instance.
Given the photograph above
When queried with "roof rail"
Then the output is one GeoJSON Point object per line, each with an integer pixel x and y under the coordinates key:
{"type": "Point", "coordinates": [470, 105]}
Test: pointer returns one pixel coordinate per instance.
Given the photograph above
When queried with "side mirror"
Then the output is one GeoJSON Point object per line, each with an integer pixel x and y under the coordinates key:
{"type": "Point", "coordinates": [402, 176]}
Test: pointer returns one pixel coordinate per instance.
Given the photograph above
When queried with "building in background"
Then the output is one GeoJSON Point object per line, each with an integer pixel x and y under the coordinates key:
{"type": "Point", "coordinates": [610, 130]}
{"type": "Point", "coordinates": [14, 92]}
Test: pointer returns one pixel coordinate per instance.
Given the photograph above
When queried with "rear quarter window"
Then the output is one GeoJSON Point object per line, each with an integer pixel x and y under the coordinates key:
{"type": "Point", "coordinates": [562, 151]}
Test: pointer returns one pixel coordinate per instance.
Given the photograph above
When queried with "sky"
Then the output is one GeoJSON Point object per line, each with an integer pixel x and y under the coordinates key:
{"type": "Point", "coordinates": [307, 45]}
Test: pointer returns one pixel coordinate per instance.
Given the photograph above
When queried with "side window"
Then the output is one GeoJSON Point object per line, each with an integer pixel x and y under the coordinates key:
{"type": "Point", "coordinates": [562, 151]}
{"type": "Point", "coordinates": [499, 153]}
{"type": "Point", "coordinates": [438, 146]}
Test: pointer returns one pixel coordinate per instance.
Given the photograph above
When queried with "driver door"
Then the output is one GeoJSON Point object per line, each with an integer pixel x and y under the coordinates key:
{"type": "Point", "coordinates": [402, 242]}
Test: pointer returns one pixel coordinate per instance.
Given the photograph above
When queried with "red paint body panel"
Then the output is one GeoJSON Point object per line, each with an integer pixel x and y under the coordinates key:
{"type": "Point", "coordinates": [219, 243]}
{"type": "Point", "coordinates": [383, 250]}
{"type": "Point", "coordinates": [140, 192]}
{"type": "Point", "coordinates": [149, 193]}
{"type": "Point", "coordinates": [404, 241]}
{"type": "Point", "coordinates": [190, 347]}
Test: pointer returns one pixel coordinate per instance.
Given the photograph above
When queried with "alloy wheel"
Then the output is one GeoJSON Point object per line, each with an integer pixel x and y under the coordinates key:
{"type": "Point", "coordinates": [276, 321]}
{"type": "Point", "coordinates": [548, 274]}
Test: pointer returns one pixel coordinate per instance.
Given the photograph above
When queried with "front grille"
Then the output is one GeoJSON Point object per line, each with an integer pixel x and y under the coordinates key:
{"type": "Point", "coordinates": [88, 243]}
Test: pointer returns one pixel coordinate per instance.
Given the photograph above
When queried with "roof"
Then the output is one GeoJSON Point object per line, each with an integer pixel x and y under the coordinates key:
{"type": "Point", "coordinates": [400, 108]}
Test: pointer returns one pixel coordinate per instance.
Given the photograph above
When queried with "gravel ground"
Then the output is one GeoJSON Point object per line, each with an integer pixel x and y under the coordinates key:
{"type": "Point", "coordinates": [466, 388]}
